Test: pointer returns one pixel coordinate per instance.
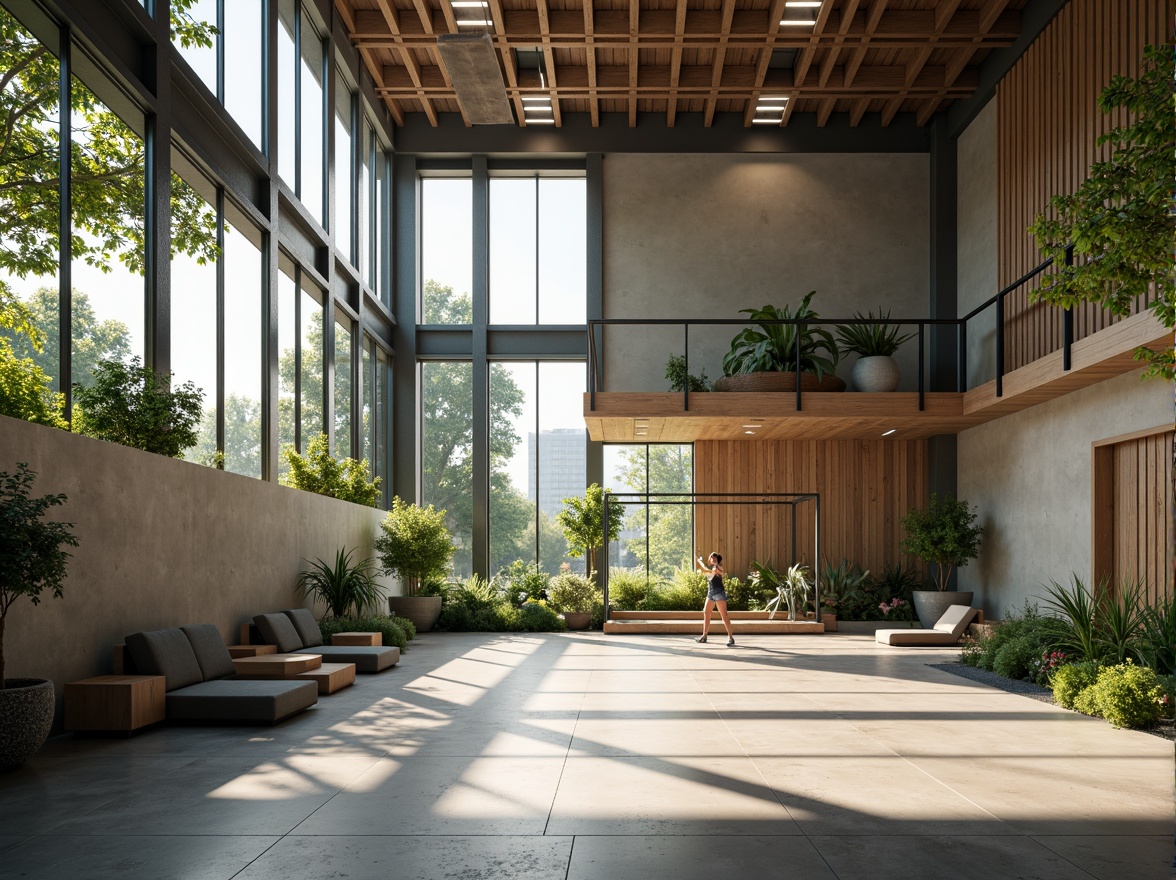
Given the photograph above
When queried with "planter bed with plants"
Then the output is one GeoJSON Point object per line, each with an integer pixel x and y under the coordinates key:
{"type": "Point", "coordinates": [1104, 652]}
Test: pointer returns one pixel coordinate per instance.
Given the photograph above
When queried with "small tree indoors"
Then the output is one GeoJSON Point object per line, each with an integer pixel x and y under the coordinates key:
{"type": "Point", "coordinates": [582, 521]}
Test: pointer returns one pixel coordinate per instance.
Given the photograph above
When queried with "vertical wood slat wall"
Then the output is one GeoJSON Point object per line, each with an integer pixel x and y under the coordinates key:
{"type": "Point", "coordinates": [1133, 530]}
{"type": "Point", "coordinates": [1047, 123]}
{"type": "Point", "coordinates": [866, 488]}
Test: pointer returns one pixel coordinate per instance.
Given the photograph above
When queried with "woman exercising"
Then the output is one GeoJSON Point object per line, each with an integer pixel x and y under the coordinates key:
{"type": "Point", "coordinates": [716, 597]}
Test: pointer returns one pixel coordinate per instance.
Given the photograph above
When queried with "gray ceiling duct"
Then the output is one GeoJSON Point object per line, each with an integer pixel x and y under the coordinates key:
{"type": "Point", "coordinates": [476, 77]}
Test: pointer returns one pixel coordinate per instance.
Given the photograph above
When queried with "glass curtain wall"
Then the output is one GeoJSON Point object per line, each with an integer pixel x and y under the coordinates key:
{"type": "Point", "coordinates": [343, 386]}
{"type": "Point", "coordinates": [447, 438]}
{"type": "Point", "coordinates": [447, 217]}
{"type": "Point", "coordinates": [657, 538]}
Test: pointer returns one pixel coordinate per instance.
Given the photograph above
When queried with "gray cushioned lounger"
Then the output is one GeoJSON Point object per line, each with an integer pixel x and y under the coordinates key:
{"type": "Point", "coordinates": [262, 702]}
{"type": "Point", "coordinates": [279, 629]}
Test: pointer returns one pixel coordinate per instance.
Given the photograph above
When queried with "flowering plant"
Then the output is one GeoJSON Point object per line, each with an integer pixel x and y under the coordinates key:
{"type": "Point", "coordinates": [895, 609]}
{"type": "Point", "coordinates": [1043, 669]}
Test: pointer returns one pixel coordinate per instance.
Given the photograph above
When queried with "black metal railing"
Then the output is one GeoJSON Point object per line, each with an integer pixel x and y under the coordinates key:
{"type": "Point", "coordinates": [595, 338]}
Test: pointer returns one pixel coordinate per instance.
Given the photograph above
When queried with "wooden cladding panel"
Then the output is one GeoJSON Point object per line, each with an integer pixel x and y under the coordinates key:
{"type": "Point", "coordinates": [866, 487]}
{"type": "Point", "coordinates": [1047, 123]}
{"type": "Point", "coordinates": [1133, 528]}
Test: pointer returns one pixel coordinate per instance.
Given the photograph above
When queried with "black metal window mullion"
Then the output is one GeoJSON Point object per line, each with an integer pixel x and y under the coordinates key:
{"type": "Point", "coordinates": [298, 358]}
{"type": "Point", "coordinates": [538, 494]}
{"type": "Point", "coordinates": [220, 51]}
{"type": "Point", "coordinates": [220, 322]}
{"type": "Point", "coordinates": [296, 183]}
{"type": "Point", "coordinates": [65, 220]}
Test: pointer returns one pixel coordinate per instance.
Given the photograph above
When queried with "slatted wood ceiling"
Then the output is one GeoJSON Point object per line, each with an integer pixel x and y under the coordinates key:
{"type": "Point", "coordinates": [866, 487]}
{"type": "Point", "coordinates": [1047, 124]}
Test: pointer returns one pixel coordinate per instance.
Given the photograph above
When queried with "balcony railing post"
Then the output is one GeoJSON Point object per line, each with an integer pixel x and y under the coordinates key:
{"type": "Point", "coordinates": [604, 562]}
{"type": "Point", "coordinates": [686, 370]}
{"type": "Point", "coordinates": [796, 348]}
{"type": "Point", "coordinates": [1067, 319]}
{"type": "Point", "coordinates": [1000, 346]}
{"type": "Point", "coordinates": [922, 381]}
{"type": "Point", "coordinates": [591, 366]}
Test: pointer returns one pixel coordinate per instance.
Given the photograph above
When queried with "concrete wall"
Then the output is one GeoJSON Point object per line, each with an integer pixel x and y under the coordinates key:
{"type": "Point", "coordinates": [703, 236]}
{"type": "Point", "coordinates": [976, 250]}
{"type": "Point", "coordinates": [1030, 476]}
{"type": "Point", "coordinates": [163, 543]}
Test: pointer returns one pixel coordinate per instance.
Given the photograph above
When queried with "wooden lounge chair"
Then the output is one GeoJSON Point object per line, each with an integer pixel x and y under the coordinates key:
{"type": "Point", "coordinates": [946, 632]}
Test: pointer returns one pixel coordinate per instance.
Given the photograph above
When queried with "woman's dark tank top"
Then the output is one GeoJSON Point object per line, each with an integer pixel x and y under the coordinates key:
{"type": "Point", "coordinates": [715, 583]}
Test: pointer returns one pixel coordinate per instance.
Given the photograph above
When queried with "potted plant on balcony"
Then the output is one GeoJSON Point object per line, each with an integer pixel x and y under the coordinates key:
{"type": "Point", "coordinates": [572, 595]}
{"type": "Point", "coordinates": [876, 344]}
{"type": "Point", "coordinates": [415, 545]}
{"type": "Point", "coordinates": [31, 561]}
{"type": "Point", "coordinates": [945, 534]}
{"type": "Point", "coordinates": [763, 358]}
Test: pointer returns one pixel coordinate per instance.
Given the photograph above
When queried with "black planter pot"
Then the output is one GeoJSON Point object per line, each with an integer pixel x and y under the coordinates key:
{"type": "Point", "coordinates": [26, 715]}
{"type": "Point", "coordinates": [931, 604]}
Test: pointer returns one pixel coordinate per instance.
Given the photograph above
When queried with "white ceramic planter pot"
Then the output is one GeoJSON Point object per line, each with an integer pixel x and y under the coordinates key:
{"type": "Point", "coordinates": [875, 374]}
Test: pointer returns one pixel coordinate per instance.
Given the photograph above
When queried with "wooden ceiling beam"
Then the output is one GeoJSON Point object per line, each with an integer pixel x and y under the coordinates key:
{"type": "Point", "coordinates": [717, 67]}
{"type": "Point", "coordinates": [549, 60]}
{"type": "Point", "coordinates": [508, 61]}
{"type": "Point", "coordinates": [990, 13]}
{"type": "Point", "coordinates": [891, 108]}
{"type": "Point", "coordinates": [392, 19]}
{"type": "Point", "coordinates": [805, 59]}
{"type": "Point", "coordinates": [824, 111]}
{"type": "Point", "coordinates": [765, 59]}
{"type": "Point", "coordinates": [676, 62]}
{"type": "Point", "coordinates": [858, 111]}
{"type": "Point", "coordinates": [927, 111]}
{"type": "Point", "coordinates": [590, 51]}
{"type": "Point", "coordinates": [859, 54]}
{"type": "Point", "coordinates": [634, 29]}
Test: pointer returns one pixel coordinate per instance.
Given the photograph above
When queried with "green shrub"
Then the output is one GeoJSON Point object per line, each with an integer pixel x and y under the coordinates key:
{"type": "Point", "coordinates": [747, 595]}
{"type": "Point", "coordinates": [522, 582]}
{"type": "Point", "coordinates": [570, 592]}
{"type": "Point", "coordinates": [320, 472]}
{"type": "Point", "coordinates": [477, 606]}
{"type": "Point", "coordinates": [131, 404]}
{"type": "Point", "coordinates": [686, 592]}
{"type": "Point", "coordinates": [1125, 694]}
{"type": "Point", "coordinates": [628, 589]}
{"type": "Point", "coordinates": [392, 628]}
{"type": "Point", "coordinates": [1071, 680]}
{"type": "Point", "coordinates": [1015, 657]}
{"type": "Point", "coordinates": [346, 588]}
{"type": "Point", "coordinates": [1157, 642]}
{"type": "Point", "coordinates": [536, 617]}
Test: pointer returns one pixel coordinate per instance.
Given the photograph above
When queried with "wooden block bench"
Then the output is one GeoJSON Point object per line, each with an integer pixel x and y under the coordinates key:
{"type": "Point", "coordinates": [329, 677]}
{"type": "Point", "coordinates": [114, 702]}
{"type": "Point", "coordinates": [358, 639]}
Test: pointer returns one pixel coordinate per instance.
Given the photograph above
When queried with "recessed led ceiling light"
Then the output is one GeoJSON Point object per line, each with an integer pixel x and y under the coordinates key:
{"type": "Point", "coordinates": [469, 4]}
{"type": "Point", "coordinates": [535, 108]}
{"type": "Point", "coordinates": [535, 121]}
{"type": "Point", "coordinates": [749, 432]}
{"type": "Point", "coordinates": [531, 99]}
{"type": "Point", "coordinates": [797, 22]}
{"type": "Point", "coordinates": [751, 426]}
{"type": "Point", "coordinates": [767, 121]}
{"type": "Point", "coordinates": [771, 102]}
{"type": "Point", "coordinates": [474, 22]}
{"type": "Point", "coordinates": [888, 433]}
{"type": "Point", "coordinates": [803, 4]}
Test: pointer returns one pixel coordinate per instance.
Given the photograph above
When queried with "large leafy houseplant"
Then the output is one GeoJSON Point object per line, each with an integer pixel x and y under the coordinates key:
{"type": "Point", "coordinates": [347, 589]}
{"type": "Point", "coordinates": [772, 347]}
{"type": "Point", "coordinates": [875, 339]}
{"type": "Point", "coordinates": [944, 534]}
{"type": "Point", "coordinates": [414, 544]}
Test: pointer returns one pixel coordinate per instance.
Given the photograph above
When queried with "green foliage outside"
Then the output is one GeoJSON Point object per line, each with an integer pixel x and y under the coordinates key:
{"type": "Point", "coordinates": [1120, 220]}
{"type": "Point", "coordinates": [944, 534]}
{"type": "Point", "coordinates": [395, 633]}
{"type": "Point", "coordinates": [1070, 680]}
{"type": "Point", "coordinates": [414, 544]}
{"type": "Point", "coordinates": [773, 347]}
{"type": "Point", "coordinates": [319, 471]}
{"type": "Point", "coordinates": [582, 521]}
{"type": "Point", "coordinates": [630, 590]}
{"type": "Point", "coordinates": [131, 404]}
{"type": "Point", "coordinates": [522, 582]}
{"type": "Point", "coordinates": [31, 556]}
{"type": "Point", "coordinates": [347, 589]}
{"type": "Point", "coordinates": [26, 391]}
{"type": "Point", "coordinates": [91, 340]}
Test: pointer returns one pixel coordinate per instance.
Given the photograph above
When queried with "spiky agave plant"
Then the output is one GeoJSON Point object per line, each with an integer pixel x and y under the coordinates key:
{"type": "Point", "coordinates": [347, 589]}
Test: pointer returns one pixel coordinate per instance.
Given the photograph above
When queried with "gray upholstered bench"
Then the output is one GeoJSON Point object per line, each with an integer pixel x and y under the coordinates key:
{"type": "Point", "coordinates": [198, 669]}
{"type": "Point", "coordinates": [296, 631]}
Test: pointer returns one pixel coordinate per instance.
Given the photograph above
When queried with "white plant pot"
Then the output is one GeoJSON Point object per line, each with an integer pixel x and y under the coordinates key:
{"type": "Point", "coordinates": [875, 374]}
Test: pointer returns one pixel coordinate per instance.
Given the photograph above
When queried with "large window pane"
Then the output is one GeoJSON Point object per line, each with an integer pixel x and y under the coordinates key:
{"type": "Point", "coordinates": [446, 450]}
{"type": "Point", "coordinates": [193, 302]}
{"type": "Point", "coordinates": [244, 48]}
{"type": "Point", "coordinates": [563, 251]}
{"type": "Point", "coordinates": [344, 159]}
{"type": "Point", "coordinates": [657, 538]}
{"type": "Point", "coordinates": [243, 367]}
{"type": "Point", "coordinates": [342, 386]}
{"type": "Point", "coordinates": [369, 417]}
{"type": "Point", "coordinates": [446, 250]}
{"type": "Point", "coordinates": [287, 358]}
{"type": "Point", "coordinates": [311, 340]}
{"type": "Point", "coordinates": [29, 205]}
{"type": "Point", "coordinates": [560, 454]}
{"type": "Point", "coordinates": [512, 251]}
{"type": "Point", "coordinates": [512, 470]}
{"type": "Point", "coordinates": [312, 134]}
{"type": "Point", "coordinates": [380, 245]}
{"type": "Point", "coordinates": [363, 237]}
{"type": "Point", "coordinates": [107, 177]}
{"type": "Point", "coordinates": [202, 59]}
{"type": "Point", "coordinates": [382, 422]}
{"type": "Point", "coordinates": [287, 92]}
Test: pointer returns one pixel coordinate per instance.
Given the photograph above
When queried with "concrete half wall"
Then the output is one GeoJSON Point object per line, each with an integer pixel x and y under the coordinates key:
{"type": "Point", "coordinates": [163, 543]}
{"type": "Point", "coordinates": [1029, 474]}
{"type": "Point", "coordinates": [703, 236]}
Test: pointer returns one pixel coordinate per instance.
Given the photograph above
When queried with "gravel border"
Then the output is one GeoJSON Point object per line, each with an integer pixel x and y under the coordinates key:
{"type": "Point", "coordinates": [1024, 688]}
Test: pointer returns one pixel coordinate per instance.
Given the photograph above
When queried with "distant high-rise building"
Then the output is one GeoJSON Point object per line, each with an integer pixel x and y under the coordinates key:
{"type": "Point", "coordinates": [560, 473]}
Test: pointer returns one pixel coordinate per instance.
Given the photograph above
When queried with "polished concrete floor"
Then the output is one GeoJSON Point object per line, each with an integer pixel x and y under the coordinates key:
{"type": "Point", "coordinates": [553, 757]}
